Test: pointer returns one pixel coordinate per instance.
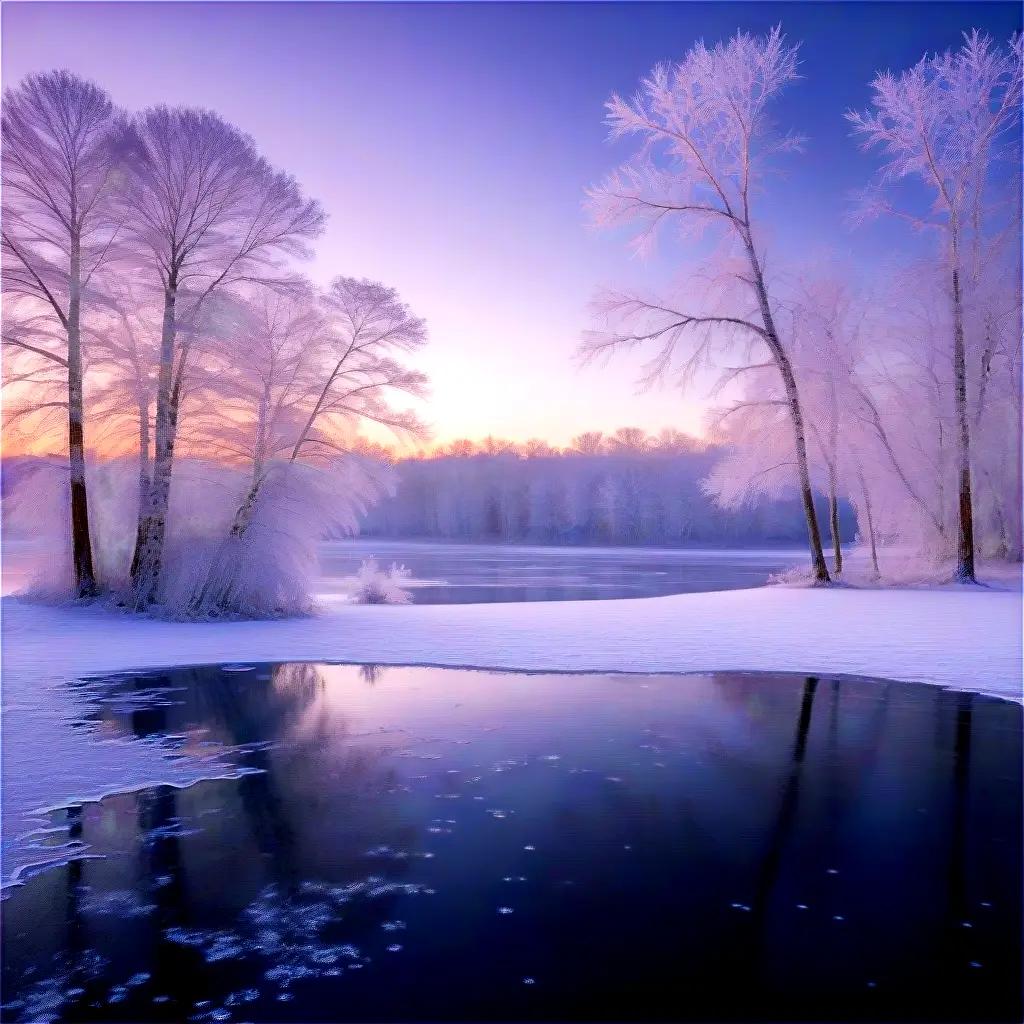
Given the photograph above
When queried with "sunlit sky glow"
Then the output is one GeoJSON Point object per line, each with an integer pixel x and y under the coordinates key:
{"type": "Point", "coordinates": [451, 144]}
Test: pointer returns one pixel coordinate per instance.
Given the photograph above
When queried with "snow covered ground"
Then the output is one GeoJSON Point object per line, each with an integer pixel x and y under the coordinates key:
{"type": "Point", "coordinates": [963, 638]}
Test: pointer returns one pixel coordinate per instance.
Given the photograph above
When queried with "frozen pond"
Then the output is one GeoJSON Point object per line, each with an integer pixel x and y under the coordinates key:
{"type": "Point", "coordinates": [431, 844]}
{"type": "Point", "coordinates": [475, 573]}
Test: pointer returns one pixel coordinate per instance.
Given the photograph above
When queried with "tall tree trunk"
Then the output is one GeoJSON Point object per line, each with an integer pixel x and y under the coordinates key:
{"type": "Point", "coordinates": [152, 527]}
{"type": "Point", "coordinates": [795, 414]}
{"type": "Point", "coordinates": [833, 518]}
{"type": "Point", "coordinates": [806, 495]}
{"type": "Point", "coordinates": [871, 523]}
{"type": "Point", "coordinates": [965, 518]}
{"type": "Point", "coordinates": [81, 541]}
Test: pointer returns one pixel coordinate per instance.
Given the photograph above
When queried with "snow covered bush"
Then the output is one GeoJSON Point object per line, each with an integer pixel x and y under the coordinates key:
{"type": "Point", "coordinates": [259, 560]}
{"type": "Point", "coordinates": [375, 586]}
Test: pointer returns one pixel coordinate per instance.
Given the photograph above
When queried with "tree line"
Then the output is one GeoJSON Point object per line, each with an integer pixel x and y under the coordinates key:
{"type": "Point", "coordinates": [904, 395]}
{"type": "Point", "coordinates": [623, 488]}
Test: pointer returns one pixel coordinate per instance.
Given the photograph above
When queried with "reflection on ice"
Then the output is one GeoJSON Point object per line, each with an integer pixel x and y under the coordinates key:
{"type": "Point", "coordinates": [435, 844]}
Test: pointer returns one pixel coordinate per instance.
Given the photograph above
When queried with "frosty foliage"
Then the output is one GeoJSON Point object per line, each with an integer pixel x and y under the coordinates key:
{"type": "Point", "coordinates": [268, 569]}
{"type": "Point", "coordinates": [377, 586]}
{"type": "Point", "coordinates": [902, 399]}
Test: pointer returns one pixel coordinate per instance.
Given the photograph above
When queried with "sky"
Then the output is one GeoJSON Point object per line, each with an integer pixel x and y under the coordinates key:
{"type": "Point", "coordinates": [451, 145]}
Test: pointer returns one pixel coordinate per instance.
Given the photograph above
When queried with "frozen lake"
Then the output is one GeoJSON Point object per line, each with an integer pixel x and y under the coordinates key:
{"type": "Point", "coordinates": [481, 573]}
{"type": "Point", "coordinates": [431, 844]}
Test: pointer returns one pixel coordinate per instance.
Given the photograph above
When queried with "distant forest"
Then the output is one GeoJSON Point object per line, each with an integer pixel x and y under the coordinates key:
{"type": "Point", "coordinates": [627, 488]}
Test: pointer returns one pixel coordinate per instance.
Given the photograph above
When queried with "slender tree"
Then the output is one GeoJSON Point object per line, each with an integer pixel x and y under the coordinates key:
{"type": "Point", "coordinates": [60, 161]}
{"type": "Point", "coordinates": [703, 124]}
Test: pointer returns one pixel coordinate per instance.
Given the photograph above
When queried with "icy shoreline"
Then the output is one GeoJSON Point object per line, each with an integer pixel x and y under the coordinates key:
{"type": "Point", "coordinates": [958, 638]}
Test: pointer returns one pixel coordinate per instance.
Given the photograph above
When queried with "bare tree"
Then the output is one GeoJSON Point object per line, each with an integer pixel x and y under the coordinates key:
{"type": "Point", "coordinates": [703, 123]}
{"type": "Point", "coordinates": [59, 161]}
{"type": "Point", "coordinates": [944, 122]}
{"type": "Point", "coordinates": [206, 214]}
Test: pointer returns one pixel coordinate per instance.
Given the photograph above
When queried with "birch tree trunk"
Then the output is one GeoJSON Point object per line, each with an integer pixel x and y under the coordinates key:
{"type": "Point", "coordinates": [965, 499]}
{"type": "Point", "coordinates": [152, 527]}
{"type": "Point", "coordinates": [81, 541]}
{"type": "Point", "coordinates": [833, 518]}
{"type": "Point", "coordinates": [871, 523]}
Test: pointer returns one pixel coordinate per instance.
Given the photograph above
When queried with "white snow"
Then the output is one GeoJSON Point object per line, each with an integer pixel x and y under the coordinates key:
{"type": "Point", "coordinates": [962, 638]}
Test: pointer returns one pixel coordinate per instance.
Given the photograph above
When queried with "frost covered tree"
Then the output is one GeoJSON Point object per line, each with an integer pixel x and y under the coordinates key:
{"type": "Point", "coordinates": [206, 214]}
{"type": "Point", "coordinates": [706, 143]}
{"type": "Point", "coordinates": [60, 171]}
{"type": "Point", "coordinates": [305, 372]}
{"type": "Point", "coordinates": [948, 123]}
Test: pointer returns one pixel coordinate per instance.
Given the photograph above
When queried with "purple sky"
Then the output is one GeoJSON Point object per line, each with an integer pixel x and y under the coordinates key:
{"type": "Point", "coordinates": [451, 144]}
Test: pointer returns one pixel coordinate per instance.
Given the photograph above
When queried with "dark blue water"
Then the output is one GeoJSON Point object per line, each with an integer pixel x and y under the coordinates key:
{"type": "Point", "coordinates": [485, 573]}
{"type": "Point", "coordinates": [431, 845]}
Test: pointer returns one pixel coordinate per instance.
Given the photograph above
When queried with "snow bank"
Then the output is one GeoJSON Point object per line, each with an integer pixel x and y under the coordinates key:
{"type": "Point", "coordinates": [963, 638]}
{"type": "Point", "coordinates": [966, 638]}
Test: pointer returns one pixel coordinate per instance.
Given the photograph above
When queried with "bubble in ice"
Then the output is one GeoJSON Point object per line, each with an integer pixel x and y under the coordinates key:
{"type": "Point", "coordinates": [831, 871]}
{"type": "Point", "coordinates": [838, 917]}
{"type": "Point", "coordinates": [394, 948]}
{"type": "Point", "coordinates": [245, 995]}
{"type": "Point", "coordinates": [393, 926]}
{"type": "Point", "coordinates": [966, 924]}
{"type": "Point", "coordinates": [238, 668]}
{"type": "Point", "coordinates": [739, 906]}
{"type": "Point", "coordinates": [505, 910]}
{"type": "Point", "coordinates": [551, 757]}
{"type": "Point", "coordinates": [974, 963]}
{"type": "Point", "coordinates": [529, 981]}
{"type": "Point", "coordinates": [138, 979]}
{"type": "Point", "coordinates": [529, 846]}
{"type": "Point", "coordinates": [801, 906]}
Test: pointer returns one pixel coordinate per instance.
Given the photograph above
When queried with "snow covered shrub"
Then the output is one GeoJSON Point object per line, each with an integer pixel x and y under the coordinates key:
{"type": "Point", "coordinates": [254, 554]}
{"type": "Point", "coordinates": [375, 586]}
